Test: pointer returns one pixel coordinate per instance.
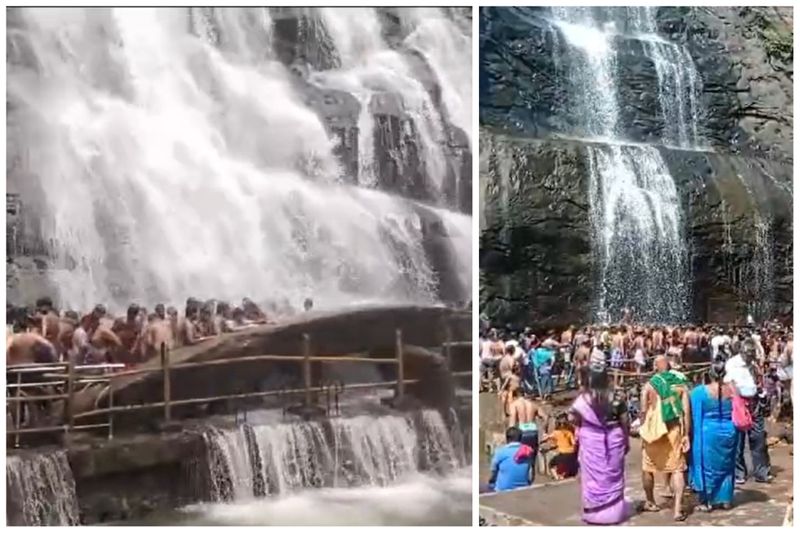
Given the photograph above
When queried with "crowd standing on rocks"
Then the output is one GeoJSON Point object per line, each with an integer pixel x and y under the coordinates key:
{"type": "Point", "coordinates": [43, 334]}
{"type": "Point", "coordinates": [695, 395]}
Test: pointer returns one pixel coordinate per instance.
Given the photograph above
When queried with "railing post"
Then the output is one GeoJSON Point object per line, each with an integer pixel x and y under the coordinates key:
{"type": "Point", "coordinates": [167, 390]}
{"type": "Point", "coordinates": [327, 388]}
{"type": "Point", "coordinates": [401, 382]}
{"type": "Point", "coordinates": [70, 411]}
{"type": "Point", "coordinates": [448, 337]}
{"type": "Point", "coordinates": [111, 413]}
{"type": "Point", "coordinates": [307, 368]}
{"type": "Point", "coordinates": [17, 413]}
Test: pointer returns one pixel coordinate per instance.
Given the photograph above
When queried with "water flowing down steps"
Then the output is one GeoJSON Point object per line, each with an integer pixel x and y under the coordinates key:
{"type": "Point", "coordinates": [41, 490]}
{"type": "Point", "coordinates": [277, 460]}
{"type": "Point", "coordinates": [201, 471]}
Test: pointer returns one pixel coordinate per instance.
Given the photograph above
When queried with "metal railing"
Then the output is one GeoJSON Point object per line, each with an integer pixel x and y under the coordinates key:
{"type": "Point", "coordinates": [65, 378]}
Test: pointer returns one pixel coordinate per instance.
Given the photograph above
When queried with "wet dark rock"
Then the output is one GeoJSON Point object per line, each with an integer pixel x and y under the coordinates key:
{"type": "Point", "coordinates": [536, 258]}
{"type": "Point", "coordinates": [537, 264]}
{"type": "Point", "coordinates": [745, 101]}
{"type": "Point", "coordinates": [300, 39]}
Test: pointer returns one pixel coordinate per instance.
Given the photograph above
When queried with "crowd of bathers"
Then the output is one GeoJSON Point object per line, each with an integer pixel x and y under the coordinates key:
{"type": "Point", "coordinates": [538, 363]}
{"type": "Point", "coordinates": [697, 397]}
{"type": "Point", "coordinates": [43, 333]}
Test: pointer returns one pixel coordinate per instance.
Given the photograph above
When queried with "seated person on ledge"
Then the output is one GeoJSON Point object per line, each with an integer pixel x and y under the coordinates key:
{"type": "Point", "coordinates": [512, 463]}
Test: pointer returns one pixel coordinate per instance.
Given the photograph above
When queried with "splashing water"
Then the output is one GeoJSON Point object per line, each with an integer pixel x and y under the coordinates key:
{"type": "Point", "coordinates": [43, 485]}
{"type": "Point", "coordinates": [167, 153]}
{"type": "Point", "coordinates": [418, 500]}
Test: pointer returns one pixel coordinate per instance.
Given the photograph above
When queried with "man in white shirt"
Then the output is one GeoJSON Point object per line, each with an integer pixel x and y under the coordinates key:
{"type": "Point", "coordinates": [740, 371]}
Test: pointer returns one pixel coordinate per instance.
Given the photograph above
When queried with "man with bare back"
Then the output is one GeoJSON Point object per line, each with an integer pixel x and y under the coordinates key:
{"type": "Point", "coordinates": [658, 340]}
{"type": "Point", "coordinates": [582, 353]}
{"type": "Point", "coordinates": [29, 347]}
{"type": "Point", "coordinates": [104, 345]}
{"type": "Point", "coordinates": [157, 332]}
{"type": "Point", "coordinates": [174, 326]}
{"type": "Point", "coordinates": [189, 329]}
{"type": "Point", "coordinates": [567, 335]}
{"type": "Point", "coordinates": [639, 351]}
{"type": "Point", "coordinates": [691, 342]}
{"type": "Point", "coordinates": [675, 352]}
{"type": "Point", "coordinates": [509, 380]}
{"type": "Point", "coordinates": [129, 333]}
{"type": "Point", "coordinates": [617, 351]}
{"type": "Point", "coordinates": [524, 413]}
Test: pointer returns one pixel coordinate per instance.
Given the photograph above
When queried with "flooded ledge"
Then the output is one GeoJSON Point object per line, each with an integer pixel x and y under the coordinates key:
{"type": "Point", "coordinates": [217, 461]}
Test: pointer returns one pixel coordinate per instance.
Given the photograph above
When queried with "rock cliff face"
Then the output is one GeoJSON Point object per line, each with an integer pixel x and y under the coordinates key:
{"type": "Point", "coordinates": [539, 249]}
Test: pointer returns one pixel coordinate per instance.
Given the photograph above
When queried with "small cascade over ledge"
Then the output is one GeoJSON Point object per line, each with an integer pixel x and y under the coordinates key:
{"type": "Point", "coordinates": [40, 490]}
{"type": "Point", "coordinates": [253, 461]}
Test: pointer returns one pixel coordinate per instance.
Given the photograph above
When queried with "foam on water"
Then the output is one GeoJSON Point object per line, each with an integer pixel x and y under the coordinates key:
{"type": "Point", "coordinates": [418, 500]}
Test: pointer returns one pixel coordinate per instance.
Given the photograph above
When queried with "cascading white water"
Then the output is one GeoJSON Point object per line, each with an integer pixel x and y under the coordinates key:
{"type": "Point", "coordinates": [41, 490]}
{"type": "Point", "coordinates": [636, 213]}
{"type": "Point", "coordinates": [383, 449]}
{"type": "Point", "coordinates": [231, 462]}
{"type": "Point", "coordinates": [293, 456]}
{"type": "Point", "coordinates": [640, 231]}
{"type": "Point", "coordinates": [763, 269]}
{"type": "Point", "coordinates": [362, 450]}
{"type": "Point", "coordinates": [439, 444]}
{"type": "Point", "coordinates": [677, 79]}
{"type": "Point", "coordinates": [167, 153]}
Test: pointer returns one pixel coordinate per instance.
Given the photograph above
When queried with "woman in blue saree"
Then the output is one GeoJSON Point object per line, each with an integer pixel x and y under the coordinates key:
{"type": "Point", "coordinates": [713, 450]}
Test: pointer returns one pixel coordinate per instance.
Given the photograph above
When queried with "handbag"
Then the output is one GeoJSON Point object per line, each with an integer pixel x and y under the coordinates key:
{"type": "Point", "coordinates": [742, 419]}
{"type": "Point", "coordinates": [653, 427]}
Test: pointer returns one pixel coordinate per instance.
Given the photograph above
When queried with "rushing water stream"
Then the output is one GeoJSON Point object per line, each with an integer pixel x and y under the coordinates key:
{"type": "Point", "coordinates": [167, 153]}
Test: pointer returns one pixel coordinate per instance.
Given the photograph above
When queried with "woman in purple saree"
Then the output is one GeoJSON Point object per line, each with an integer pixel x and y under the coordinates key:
{"type": "Point", "coordinates": [603, 442]}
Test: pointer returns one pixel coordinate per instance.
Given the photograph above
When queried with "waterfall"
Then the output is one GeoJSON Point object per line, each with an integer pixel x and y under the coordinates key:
{"type": "Point", "coordinates": [636, 214]}
{"type": "Point", "coordinates": [41, 490]}
{"type": "Point", "coordinates": [442, 448]}
{"type": "Point", "coordinates": [382, 450]}
{"type": "Point", "coordinates": [293, 456]}
{"type": "Point", "coordinates": [763, 269]}
{"type": "Point", "coordinates": [343, 452]}
{"type": "Point", "coordinates": [229, 464]}
{"type": "Point", "coordinates": [677, 80]}
{"type": "Point", "coordinates": [167, 153]}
